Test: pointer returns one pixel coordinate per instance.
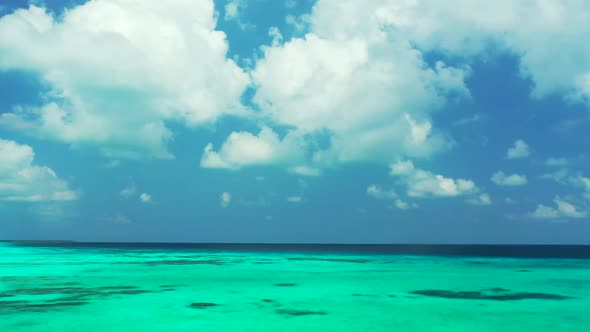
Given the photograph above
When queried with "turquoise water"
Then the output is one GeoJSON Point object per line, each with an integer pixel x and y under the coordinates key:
{"type": "Point", "coordinates": [109, 289]}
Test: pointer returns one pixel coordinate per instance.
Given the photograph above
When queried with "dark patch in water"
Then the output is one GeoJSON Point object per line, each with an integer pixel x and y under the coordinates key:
{"type": "Point", "coordinates": [5, 295]}
{"type": "Point", "coordinates": [168, 289]}
{"type": "Point", "coordinates": [364, 295]}
{"type": "Point", "coordinates": [63, 283]}
{"type": "Point", "coordinates": [269, 301]}
{"type": "Point", "coordinates": [202, 305]}
{"type": "Point", "coordinates": [391, 295]}
{"type": "Point", "coordinates": [129, 292]}
{"type": "Point", "coordinates": [9, 278]}
{"type": "Point", "coordinates": [473, 295]}
{"type": "Point", "coordinates": [184, 262]}
{"type": "Point", "coordinates": [69, 296]}
{"type": "Point", "coordinates": [8, 307]}
{"type": "Point", "coordinates": [296, 313]}
{"type": "Point", "coordinates": [476, 263]}
{"type": "Point", "coordinates": [169, 286]}
{"type": "Point", "coordinates": [50, 290]}
{"type": "Point", "coordinates": [286, 284]}
{"type": "Point", "coordinates": [117, 287]}
{"type": "Point", "coordinates": [340, 260]}
{"type": "Point", "coordinates": [497, 290]}
{"type": "Point", "coordinates": [524, 271]}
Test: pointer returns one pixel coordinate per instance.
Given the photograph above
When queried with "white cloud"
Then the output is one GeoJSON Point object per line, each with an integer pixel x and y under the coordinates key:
{"type": "Point", "coordinates": [231, 10]}
{"type": "Point", "coordinates": [582, 182]}
{"type": "Point", "coordinates": [275, 34]}
{"type": "Point", "coordinates": [562, 210]}
{"type": "Point", "coordinates": [305, 170]}
{"type": "Point", "coordinates": [467, 28]}
{"type": "Point", "coordinates": [509, 201]}
{"type": "Point", "coordinates": [477, 117]}
{"type": "Point", "coordinates": [365, 86]}
{"type": "Point", "coordinates": [481, 199]}
{"type": "Point", "coordinates": [244, 149]}
{"type": "Point", "coordinates": [21, 180]}
{"type": "Point", "coordinates": [225, 199]}
{"type": "Point", "coordinates": [389, 195]}
{"type": "Point", "coordinates": [422, 183]}
{"type": "Point", "coordinates": [145, 198]}
{"type": "Point", "coordinates": [357, 81]}
{"type": "Point", "coordinates": [403, 205]}
{"type": "Point", "coordinates": [519, 150]}
{"type": "Point", "coordinates": [234, 12]}
{"type": "Point", "coordinates": [377, 192]}
{"type": "Point", "coordinates": [294, 199]}
{"type": "Point", "coordinates": [118, 70]}
{"type": "Point", "coordinates": [558, 176]}
{"type": "Point", "coordinates": [128, 191]}
{"type": "Point", "coordinates": [511, 180]}
{"type": "Point", "coordinates": [556, 162]}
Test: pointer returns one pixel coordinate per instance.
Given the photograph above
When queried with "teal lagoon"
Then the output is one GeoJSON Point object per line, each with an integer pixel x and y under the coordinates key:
{"type": "Point", "coordinates": [142, 288]}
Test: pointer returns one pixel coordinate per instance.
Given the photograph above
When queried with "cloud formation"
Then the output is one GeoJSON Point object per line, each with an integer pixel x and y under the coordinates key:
{"type": "Point", "coordinates": [511, 180]}
{"type": "Point", "coordinates": [145, 198]}
{"type": "Point", "coordinates": [23, 181]}
{"type": "Point", "coordinates": [562, 210]}
{"type": "Point", "coordinates": [389, 195]}
{"type": "Point", "coordinates": [519, 150]}
{"type": "Point", "coordinates": [224, 199]}
{"type": "Point", "coordinates": [481, 199]}
{"type": "Point", "coordinates": [244, 149]}
{"type": "Point", "coordinates": [422, 183]}
{"type": "Point", "coordinates": [118, 70]}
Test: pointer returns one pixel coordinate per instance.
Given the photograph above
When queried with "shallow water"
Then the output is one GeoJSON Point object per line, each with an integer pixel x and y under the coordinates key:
{"type": "Point", "coordinates": [68, 288]}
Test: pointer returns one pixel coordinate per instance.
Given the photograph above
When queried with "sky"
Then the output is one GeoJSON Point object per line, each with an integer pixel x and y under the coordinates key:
{"type": "Point", "coordinates": [283, 121]}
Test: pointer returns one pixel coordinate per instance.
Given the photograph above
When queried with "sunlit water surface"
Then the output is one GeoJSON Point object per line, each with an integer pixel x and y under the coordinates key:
{"type": "Point", "coordinates": [64, 288]}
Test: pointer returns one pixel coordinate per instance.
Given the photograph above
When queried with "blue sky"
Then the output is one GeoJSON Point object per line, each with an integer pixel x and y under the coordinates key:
{"type": "Point", "coordinates": [380, 121]}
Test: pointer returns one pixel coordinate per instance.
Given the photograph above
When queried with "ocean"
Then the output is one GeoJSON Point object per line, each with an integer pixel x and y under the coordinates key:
{"type": "Point", "coordinates": [70, 286]}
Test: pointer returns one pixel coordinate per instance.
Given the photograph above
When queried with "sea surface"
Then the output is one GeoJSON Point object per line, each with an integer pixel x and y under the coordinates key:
{"type": "Point", "coordinates": [64, 286]}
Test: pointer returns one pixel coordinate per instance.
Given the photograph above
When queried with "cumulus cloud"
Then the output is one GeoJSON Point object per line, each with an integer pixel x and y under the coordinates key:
{"type": "Point", "coordinates": [477, 117]}
{"type": "Point", "coordinates": [231, 9]}
{"type": "Point", "coordinates": [145, 198]}
{"type": "Point", "coordinates": [519, 150]}
{"type": "Point", "coordinates": [118, 70]}
{"type": "Point", "coordinates": [233, 12]}
{"type": "Point", "coordinates": [558, 176]}
{"type": "Point", "coordinates": [562, 210]}
{"type": "Point", "coordinates": [512, 180]}
{"type": "Point", "coordinates": [128, 192]}
{"type": "Point", "coordinates": [481, 199]}
{"type": "Point", "coordinates": [509, 201]}
{"type": "Point", "coordinates": [556, 162]}
{"type": "Point", "coordinates": [225, 199]}
{"type": "Point", "coordinates": [360, 81]}
{"type": "Point", "coordinates": [305, 170]}
{"type": "Point", "coordinates": [22, 180]}
{"type": "Point", "coordinates": [294, 199]}
{"type": "Point", "coordinates": [468, 28]}
{"type": "Point", "coordinates": [245, 149]}
{"type": "Point", "coordinates": [582, 182]}
{"type": "Point", "coordinates": [389, 195]}
{"type": "Point", "coordinates": [363, 85]}
{"type": "Point", "coordinates": [422, 183]}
